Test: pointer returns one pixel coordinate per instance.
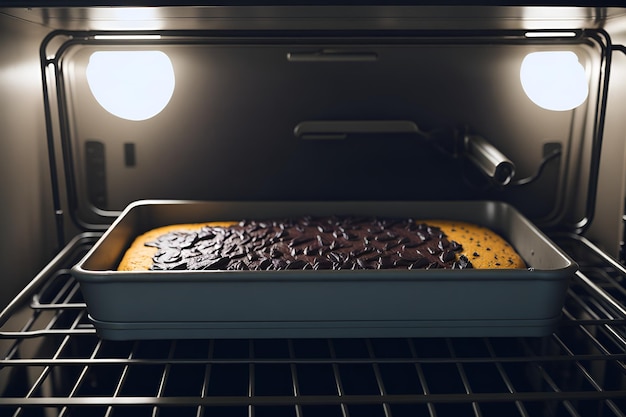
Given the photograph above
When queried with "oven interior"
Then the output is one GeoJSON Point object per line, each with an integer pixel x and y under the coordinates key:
{"type": "Point", "coordinates": [324, 103]}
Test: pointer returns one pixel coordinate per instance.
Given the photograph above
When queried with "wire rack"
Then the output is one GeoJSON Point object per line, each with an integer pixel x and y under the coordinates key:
{"type": "Point", "coordinates": [53, 364]}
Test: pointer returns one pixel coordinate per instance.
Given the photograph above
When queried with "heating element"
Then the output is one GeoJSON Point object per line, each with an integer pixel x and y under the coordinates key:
{"type": "Point", "coordinates": [56, 364]}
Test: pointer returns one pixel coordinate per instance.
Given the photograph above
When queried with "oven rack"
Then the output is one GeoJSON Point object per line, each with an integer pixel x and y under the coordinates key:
{"type": "Point", "coordinates": [53, 364]}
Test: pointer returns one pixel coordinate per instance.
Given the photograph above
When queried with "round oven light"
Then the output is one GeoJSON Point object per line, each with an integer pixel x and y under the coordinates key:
{"type": "Point", "coordinates": [554, 80]}
{"type": "Point", "coordinates": [133, 85]}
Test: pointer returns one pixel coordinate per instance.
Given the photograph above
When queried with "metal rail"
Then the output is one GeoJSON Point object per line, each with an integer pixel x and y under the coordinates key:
{"type": "Point", "coordinates": [53, 364]}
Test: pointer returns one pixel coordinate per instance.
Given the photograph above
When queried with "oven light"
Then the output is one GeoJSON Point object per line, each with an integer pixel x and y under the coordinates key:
{"type": "Point", "coordinates": [132, 85]}
{"type": "Point", "coordinates": [550, 34]}
{"type": "Point", "coordinates": [127, 37]}
{"type": "Point", "coordinates": [554, 80]}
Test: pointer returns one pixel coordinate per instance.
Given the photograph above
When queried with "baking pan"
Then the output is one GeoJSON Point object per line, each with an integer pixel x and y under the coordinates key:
{"type": "Point", "coordinates": [324, 303]}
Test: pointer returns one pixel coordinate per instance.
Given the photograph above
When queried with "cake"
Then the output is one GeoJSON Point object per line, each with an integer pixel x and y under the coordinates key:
{"type": "Point", "coordinates": [320, 243]}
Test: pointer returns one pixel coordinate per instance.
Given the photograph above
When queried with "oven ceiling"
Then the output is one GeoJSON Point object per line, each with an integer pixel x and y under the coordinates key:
{"type": "Point", "coordinates": [314, 17]}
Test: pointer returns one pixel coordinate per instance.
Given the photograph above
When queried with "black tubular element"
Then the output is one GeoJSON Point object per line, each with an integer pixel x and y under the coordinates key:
{"type": "Point", "coordinates": [54, 179]}
{"type": "Point", "coordinates": [604, 41]}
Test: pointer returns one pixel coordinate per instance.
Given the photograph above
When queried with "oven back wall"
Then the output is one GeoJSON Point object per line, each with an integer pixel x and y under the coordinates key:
{"type": "Point", "coordinates": [228, 132]}
{"type": "Point", "coordinates": [27, 236]}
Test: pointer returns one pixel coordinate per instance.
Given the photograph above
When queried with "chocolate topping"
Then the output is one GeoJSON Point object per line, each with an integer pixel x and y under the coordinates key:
{"type": "Point", "coordinates": [333, 242]}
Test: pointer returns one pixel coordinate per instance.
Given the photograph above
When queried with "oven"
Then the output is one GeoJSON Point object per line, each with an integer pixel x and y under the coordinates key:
{"type": "Point", "coordinates": [292, 104]}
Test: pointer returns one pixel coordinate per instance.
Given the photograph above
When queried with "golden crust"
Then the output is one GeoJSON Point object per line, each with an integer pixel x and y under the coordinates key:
{"type": "Point", "coordinates": [483, 247]}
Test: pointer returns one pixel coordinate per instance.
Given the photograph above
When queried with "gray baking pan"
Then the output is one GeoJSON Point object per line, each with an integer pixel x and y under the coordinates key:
{"type": "Point", "coordinates": [324, 303]}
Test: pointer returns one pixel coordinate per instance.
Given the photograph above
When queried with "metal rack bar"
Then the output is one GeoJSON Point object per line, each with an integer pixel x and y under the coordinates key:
{"type": "Point", "coordinates": [466, 385]}
{"type": "Point", "coordinates": [121, 381]}
{"type": "Point", "coordinates": [294, 376]}
{"type": "Point", "coordinates": [339, 386]}
{"type": "Point", "coordinates": [379, 380]}
{"type": "Point", "coordinates": [507, 381]}
{"type": "Point", "coordinates": [422, 379]}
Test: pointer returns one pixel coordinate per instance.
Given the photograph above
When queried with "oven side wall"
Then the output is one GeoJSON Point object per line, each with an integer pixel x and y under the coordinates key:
{"type": "Point", "coordinates": [27, 237]}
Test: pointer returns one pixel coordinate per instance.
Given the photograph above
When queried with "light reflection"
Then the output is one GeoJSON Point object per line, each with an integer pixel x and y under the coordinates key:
{"type": "Point", "coordinates": [133, 85]}
{"type": "Point", "coordinates": [554, 80]}
{"type": "Point", "coordinates": [126, 18]}
{"type": "Point", "coordinates": [127, 37]}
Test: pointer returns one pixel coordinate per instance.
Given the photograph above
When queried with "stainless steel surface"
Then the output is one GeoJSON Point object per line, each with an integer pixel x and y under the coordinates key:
{"type": "Point", "coordinates": [38, 20]}
{"type": "Point", "coordinates": [496, 122]}
{"type": "Point", "coordinates": [59, 367]}
{"type": "Point", "coordinates": [318, 17]}
{"type": "Point", "coordinates": [26, 214]}
{"type": "Point", "coordinates": [398, 86]}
